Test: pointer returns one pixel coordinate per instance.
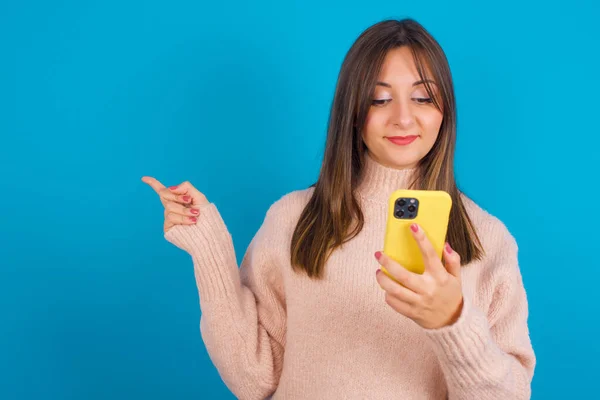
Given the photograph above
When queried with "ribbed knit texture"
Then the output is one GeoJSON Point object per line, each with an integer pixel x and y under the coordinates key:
{"type": "Point", "coordinates": [273, 332]}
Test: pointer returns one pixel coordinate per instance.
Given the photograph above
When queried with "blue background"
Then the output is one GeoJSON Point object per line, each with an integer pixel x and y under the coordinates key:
{"type": "Point", "coordinates": [234, 97]}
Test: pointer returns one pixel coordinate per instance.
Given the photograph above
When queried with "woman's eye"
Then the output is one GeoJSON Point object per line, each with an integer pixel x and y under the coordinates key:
{"type": "Point", "coordinates": [380, 102]}
{"type": "Point", "coordinates": [423, 100]}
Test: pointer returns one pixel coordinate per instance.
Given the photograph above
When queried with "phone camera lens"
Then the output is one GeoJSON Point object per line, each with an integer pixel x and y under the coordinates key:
{"type": "Point", "coordinates": [412, 208]}
{"type": "Point", "coordinates": [401, 202]}
{"type": "Point", "coordinates": [399, 214]}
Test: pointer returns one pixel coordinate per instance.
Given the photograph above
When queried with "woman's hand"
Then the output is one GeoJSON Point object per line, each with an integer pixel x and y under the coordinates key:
{"type": "Point", "coordinates": [182, 202]}
{"type": "Point", "coordinates": [433, 299]}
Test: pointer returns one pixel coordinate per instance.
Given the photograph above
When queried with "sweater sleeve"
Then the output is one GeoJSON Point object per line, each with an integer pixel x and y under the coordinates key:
{"type": "Point", "coordinates": [243, 318]}
{"type": "Point", "coordinates": [490, 356]}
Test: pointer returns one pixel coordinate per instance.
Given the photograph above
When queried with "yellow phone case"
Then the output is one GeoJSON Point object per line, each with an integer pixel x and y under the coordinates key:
{"type": "Point", "coordinates": [432, 214]}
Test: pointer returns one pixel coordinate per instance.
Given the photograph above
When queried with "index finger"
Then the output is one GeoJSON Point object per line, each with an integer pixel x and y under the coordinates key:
{"type": "Point", "coordinates": [430, 255]}
{"type": "Point", "coordinates": [153, 183]}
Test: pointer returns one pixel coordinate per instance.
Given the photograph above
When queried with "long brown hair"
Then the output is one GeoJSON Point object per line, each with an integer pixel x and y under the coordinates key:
{"type": "Point", "coordinates": [333, 215]}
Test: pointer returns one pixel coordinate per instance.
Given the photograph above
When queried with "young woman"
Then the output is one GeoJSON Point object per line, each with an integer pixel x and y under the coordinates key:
{"type": "Point", "coordinates": [309, 315]}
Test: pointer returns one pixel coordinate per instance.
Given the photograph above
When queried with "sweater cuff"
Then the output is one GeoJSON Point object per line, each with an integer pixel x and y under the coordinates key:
{"type": "Point", "coordinates": [465, 349]}
{"type": "Point", "coordinates": [211, 247]}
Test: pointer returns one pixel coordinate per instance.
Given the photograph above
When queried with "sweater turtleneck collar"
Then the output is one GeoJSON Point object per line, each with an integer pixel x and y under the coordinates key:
{"type": "Point", "coordinates": [377, 181]}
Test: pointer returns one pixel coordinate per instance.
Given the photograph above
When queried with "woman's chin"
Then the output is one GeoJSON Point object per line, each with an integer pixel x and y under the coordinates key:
{"type": "Point", "coordinates": [403, 159]}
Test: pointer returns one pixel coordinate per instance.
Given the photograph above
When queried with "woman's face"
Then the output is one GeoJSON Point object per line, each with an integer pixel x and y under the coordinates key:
{"type": "Point", "coordinates": [402, 124]}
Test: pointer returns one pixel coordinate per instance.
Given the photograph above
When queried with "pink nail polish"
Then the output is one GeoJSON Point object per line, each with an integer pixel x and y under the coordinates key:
{"type": "Point", "coordinates": [378, 255]}
{"type": "Point", "coordinates": [414, 228]}
{"type": "Point", "coordinates": [193, 219]}
{"type": "Point", "coordinates": [448, 249]}
{"type": "Point", "coordinates": [377, 272]}
{"type": "Point", "coordinates": [186, 198]}
{"type": "Point", "coordinates": [173, 187]}
{"type": "Point", "coordinates": [194, 211]}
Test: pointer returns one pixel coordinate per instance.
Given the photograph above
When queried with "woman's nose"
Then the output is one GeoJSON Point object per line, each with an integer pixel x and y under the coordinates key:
{"type": "Point", "coordinates": [402, 115]}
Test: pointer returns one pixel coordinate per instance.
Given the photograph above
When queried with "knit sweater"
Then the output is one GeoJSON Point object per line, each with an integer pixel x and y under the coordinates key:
{"type": "Point", "coordinates": [273, 332]}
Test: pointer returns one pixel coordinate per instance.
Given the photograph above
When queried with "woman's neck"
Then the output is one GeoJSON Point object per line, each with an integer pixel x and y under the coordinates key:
{"type": "Point", "coordinates": [378, 181]}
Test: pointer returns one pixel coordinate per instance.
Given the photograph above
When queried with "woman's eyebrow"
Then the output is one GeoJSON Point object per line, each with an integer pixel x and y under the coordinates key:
{"type": "Point", "coordinates": [423, 81]}
{"type": "Point", "coordinates": [417, 83]}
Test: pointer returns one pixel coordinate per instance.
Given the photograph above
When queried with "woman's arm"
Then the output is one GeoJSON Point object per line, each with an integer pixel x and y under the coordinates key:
{"type": "Point", "coordinates": [243, 310]}
{"type": "Point", "coordinates": [490, 356]}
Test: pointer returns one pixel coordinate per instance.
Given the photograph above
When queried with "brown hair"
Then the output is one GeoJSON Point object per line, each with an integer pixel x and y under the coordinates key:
{"type": "Point", "coordinates": [333, 215]}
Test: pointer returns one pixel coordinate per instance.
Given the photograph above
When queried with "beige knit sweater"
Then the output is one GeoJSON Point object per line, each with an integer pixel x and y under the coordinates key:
{"type": "Point", "coordinates": [273, 332]}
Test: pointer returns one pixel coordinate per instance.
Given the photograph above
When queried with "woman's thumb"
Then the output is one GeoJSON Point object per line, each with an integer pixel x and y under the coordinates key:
{"type": "Point", "coordinates": [452, 261]}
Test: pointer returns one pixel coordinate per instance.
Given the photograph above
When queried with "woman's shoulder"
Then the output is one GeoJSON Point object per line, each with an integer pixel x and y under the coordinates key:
{"type": "Point", "coordinates": [495, 237]}
{"type": "Point", "coordinates": [289, 206]}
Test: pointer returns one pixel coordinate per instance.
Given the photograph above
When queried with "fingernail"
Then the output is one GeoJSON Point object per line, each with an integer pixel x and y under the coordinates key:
{"type": "Point", "coordinates": [173, 187]}
{"type": "Point", "coordinates": [414, 228]}
{"type": "Point", "coordinates": [377, 272]}
{"type": "Point", "coordinates": [194, 211]}
{"type": "Point", "coordinates": [186, 198]}
{"type": "Point", "coordinates": [378, 255]}
{"type": "Point", "coordinates": [448, 249]}
{"type": "Point", "coordinates": [193, 219]}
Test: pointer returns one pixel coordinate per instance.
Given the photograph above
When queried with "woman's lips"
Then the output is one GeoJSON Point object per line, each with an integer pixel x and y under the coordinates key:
{"type": "Point", "coordinates": [402, 140]}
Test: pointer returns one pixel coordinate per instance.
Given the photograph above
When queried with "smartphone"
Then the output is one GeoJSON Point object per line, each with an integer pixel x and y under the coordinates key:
{"type": "Point", "coordinates": [428, 208]}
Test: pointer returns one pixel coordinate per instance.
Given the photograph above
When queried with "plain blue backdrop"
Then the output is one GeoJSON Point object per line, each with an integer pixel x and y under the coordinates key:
{"type": "Point", "coordinates": [234, 97]}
